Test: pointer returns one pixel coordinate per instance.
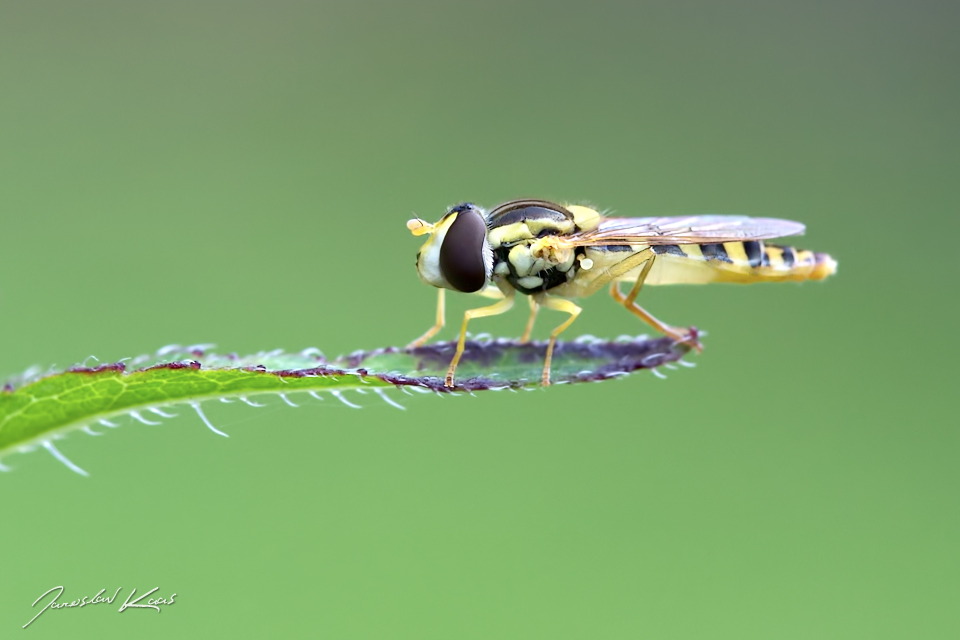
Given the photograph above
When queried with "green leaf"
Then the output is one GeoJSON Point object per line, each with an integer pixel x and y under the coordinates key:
{"type": "Point", "coordinates": [34, 410]}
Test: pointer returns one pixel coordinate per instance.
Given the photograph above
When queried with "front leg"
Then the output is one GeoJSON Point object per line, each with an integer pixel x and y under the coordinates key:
{"type": "Point", "coordinates": [432, 331]}
{"type": "Point", "coordinates": [557, 304]}
{"type": "Point", "coordinates": [493, 310]}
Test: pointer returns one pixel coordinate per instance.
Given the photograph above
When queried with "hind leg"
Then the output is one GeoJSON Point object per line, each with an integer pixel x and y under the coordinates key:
{"type": "Point", "coordinates": [688, 337]}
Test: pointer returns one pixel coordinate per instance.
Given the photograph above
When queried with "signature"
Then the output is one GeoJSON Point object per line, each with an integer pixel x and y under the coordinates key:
{"type": "Point", "coordinates": [152, 603]}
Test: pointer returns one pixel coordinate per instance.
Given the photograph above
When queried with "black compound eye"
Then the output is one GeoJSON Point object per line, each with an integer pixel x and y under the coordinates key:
{"type": "Point", "coordinates": [461, 254]}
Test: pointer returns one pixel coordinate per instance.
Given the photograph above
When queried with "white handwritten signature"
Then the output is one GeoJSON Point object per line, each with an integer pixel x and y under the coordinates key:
{"type": "Point", "coordinates": [152, 603]}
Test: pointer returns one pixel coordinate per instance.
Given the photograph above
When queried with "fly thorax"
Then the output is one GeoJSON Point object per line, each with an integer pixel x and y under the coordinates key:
{"type": "Point", "coordinates": [519, 234]}
{"type": "Point", "coordinates": [522, 220]}
{"type": "Point", "coordinates": [530, 272]}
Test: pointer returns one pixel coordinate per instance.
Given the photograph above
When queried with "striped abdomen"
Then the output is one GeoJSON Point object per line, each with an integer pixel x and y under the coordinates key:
{"type": "Point", "coordinates": [751, 261]}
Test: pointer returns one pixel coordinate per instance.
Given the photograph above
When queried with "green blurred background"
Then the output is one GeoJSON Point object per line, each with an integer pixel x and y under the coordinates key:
{"type": "Point", "coordinates": [240, 173]}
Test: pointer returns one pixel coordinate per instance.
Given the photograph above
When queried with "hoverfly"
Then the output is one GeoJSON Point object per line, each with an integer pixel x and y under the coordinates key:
{"type": "Point", "coordinates": [554, 253]}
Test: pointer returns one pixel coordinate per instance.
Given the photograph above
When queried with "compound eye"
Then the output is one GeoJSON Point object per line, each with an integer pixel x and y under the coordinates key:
{"type": "Point", "coordinates": [461, 254]}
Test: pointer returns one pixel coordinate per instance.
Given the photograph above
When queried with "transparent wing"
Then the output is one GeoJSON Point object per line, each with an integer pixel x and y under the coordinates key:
{"type": "Point", "coordinates": [684, 230]}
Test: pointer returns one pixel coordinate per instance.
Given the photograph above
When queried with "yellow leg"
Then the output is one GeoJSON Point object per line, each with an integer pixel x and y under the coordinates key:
{"type": "Point", "coordinates": [534, 307]}
{"type": "Point", "coordinates": [557, 304]}
{"type": "Point", "coordinates": [432, 331]}
{"type": "Point", "coordinates": [635, 291]}
{"type": "Point", "coordinates": [493, 310]}
{"type": "Point", "coordinates": [491, 292]}
{"type": "Point", "coordinates": [628, 301]}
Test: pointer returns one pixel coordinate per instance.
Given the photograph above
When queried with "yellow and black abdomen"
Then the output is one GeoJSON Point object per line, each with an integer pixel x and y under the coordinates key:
{"type": "Point", "coordinates": [743, 262]}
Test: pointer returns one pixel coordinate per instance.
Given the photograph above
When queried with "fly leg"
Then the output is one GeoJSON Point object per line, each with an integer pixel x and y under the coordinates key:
{"type": "Point", "coordinates": [432, 331]}
{"type": "Point", "coordinates": [558, 304]}
{"type": "Point", "coordinates": [493, 310]}
{"type": "Point", "coordinates": [689, 337]}
{"type": "Point", "coordinates": [534, 307]}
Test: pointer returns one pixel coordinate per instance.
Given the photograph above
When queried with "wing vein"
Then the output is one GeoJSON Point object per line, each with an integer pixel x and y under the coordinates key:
{"type": "Point", "coordinates": [705, 229]}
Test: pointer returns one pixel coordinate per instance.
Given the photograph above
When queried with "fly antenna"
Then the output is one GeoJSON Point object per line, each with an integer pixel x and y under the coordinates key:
{"type": "Point", "coordinates": [419, 227]}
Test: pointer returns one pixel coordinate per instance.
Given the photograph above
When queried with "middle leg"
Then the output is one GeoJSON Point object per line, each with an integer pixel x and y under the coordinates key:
{"type": "Point", "coordinates": [534, 307]}
{"type": "Point", "coordinates": [558, 304]}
